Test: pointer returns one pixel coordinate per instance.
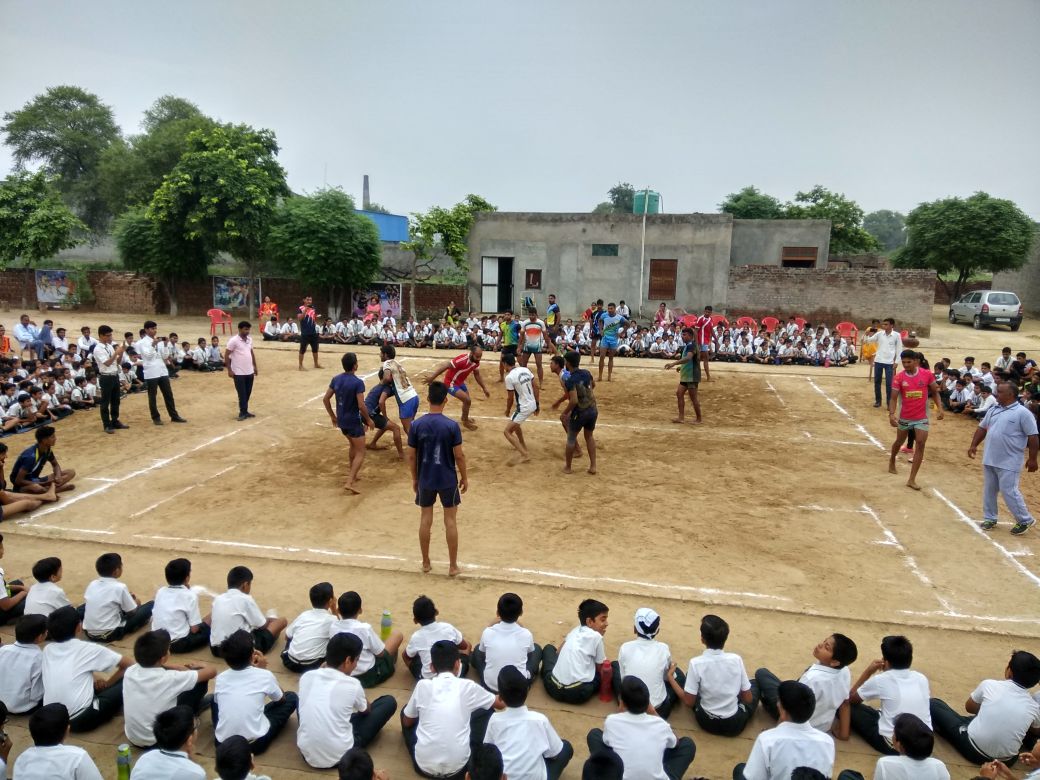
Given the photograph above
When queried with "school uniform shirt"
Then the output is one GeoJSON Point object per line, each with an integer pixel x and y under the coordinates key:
{"type": "Point", "coordinates": [986, 402]}
{"type": "Point", "coordinates": [899, 691]}
{"type": "Point", "coordinates": [272, 329]}
{"type": "Point", "coordinates": [1006, 713]}
{"type": "Point", "coordinates": [648, 660]}
{"type": "Point", "coordinates": [779, 751]}
{"type": "Point", "coordinates": [232, 611]}
{"type": "Point", "coordinates": [68, 672]}
{"type": "Point", "coordinates": [906, 768]}
{"type": "Point", "coordinates": [889, 345]}
{"type": "Point", "coordinates": [525, 739]}
{"type": "Point", "coordinates": [147, 691]}
{"type": "Point", "coordinates": [107, 599]}
{"type": "Point", "coordinates": [831, 687]}
{"type": "Point", "coordinates": [240, 695]}
{"type": "Point", "coordinates": [310, 635]}
{"type": "Point", "coordinates": [443, 704]}
{"type": "Point", "coordinates": [423, 639]}
{"type": "Point", "coordinates": [717, 678]}
{"type": "Point", "coordinates": [371, 644]}
{"type": "Point", "coordinates": [152, 363]}
{"type": "Point", "coordinates": [505, 644]}
{"type": "Point", "coordinates": [21, 684]}
{"type": "Point", "coordinates": [46, 763]}
{"type": "Point", "coordinates": [581, 653]}
{"type": "Point", "coordinates": [45, 597]}
{"type": "Point", "coordinates": [166, 765]}
{"type": "Point", "coordinates": [640, 740]}
{"type": "Point", "coordinates": [328, 698]}
{"type": "Point", "coordinates": [176, 610]}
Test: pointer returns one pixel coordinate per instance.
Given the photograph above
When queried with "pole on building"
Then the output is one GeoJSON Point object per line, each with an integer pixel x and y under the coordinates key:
{"type": "Point", "coordinates": [364, 194]}
{"type": "Point", "coordinates": [642, 250]}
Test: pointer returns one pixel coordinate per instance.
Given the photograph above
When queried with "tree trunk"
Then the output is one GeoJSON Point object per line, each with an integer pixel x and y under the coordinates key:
{"type": "Point", "coordinates": [335, 302]}
{"type": "Point", "coordinates": [962, 277]}
{"type": "Point", "coordinates": [171, 289]}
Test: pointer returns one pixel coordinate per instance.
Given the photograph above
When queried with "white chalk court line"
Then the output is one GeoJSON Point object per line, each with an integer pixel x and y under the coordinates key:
{"type": "Point", "coordinates": [954, 614]}
{"type": "Point", "coordinates": [818, 508]}
{"type": "Point", "coordinates": [840, 408]}
{"type": "Point", "coordinates": [908, 559]}
{"type": "Point", "coordinates": [101, 479]}
{"type": "Point", "coordinates": [774, 392]}
{"type": "Point", "coordinates": [182, 491]}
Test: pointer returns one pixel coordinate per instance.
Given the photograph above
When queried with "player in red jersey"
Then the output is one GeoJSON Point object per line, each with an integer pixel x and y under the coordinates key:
{"type": "Point", "coordinates": [910, 390]}
{"type": "Point", "coordinates": [456, 371]}
{"type": "Point", "coordinates": [702, 330]}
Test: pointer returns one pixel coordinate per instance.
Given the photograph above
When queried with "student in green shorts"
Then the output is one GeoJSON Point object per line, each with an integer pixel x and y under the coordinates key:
{"type": "Point", "coordinates": [689, 377]}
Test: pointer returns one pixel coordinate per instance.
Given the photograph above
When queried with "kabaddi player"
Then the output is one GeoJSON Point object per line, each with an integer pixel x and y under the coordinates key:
{"type": "Point", "coordinates": [510, 338]}
{"type": "Point", "coordinates": [689, 376]}
{"type": "Point", "coordinates": [456, 371]}
{"type": "Point", "coordinates": [559, 367]}
{"type": "Point", "coordinates": [609, 324]}
{"type": "Point", "coordinates": [404, 391]}
{"type": "Point", "coordinates": [911, 388]}
{"type": "Point", "coordinates": [581, 412]}
{"type": "Point", "coordinates": [520, 387]}
{"type": "Point", "coordinates": [702, 329]}
{"type": "Point", "coordinates": [534, 335]}
{"type": "Point", "coordinates": [351, 416]}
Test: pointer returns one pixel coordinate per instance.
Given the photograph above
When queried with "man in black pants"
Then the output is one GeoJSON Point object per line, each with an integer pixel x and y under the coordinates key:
{"type": "Point", "coordinates": [108, 358]}
{"type": "Point", "coordinates": [155, 374]}
{"type": "Point", "coordinates": [241, 367]}
{"type": "Point", "coordinates": [308, 330]}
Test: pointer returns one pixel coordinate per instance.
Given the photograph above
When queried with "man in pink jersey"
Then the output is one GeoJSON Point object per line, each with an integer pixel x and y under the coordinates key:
{"type": "Point", "coordinates": [702, 329]}
{"type": "Point", "coordinates": [456, 371]}
{"type": "Point", "coordinates": [911, 388]}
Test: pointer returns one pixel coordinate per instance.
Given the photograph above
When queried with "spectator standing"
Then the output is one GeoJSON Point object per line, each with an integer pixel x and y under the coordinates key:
{"type": "Point", "coordinates": [240, 360]}
{"type": "Point", "coordinates": [156, 375]}
{"type": "Point", "coordinates": [889, 345]}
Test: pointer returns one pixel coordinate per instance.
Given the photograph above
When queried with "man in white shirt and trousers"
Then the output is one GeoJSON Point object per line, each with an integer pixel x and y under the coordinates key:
{"type": "Point", "coordinates": [108, 357]}
{"type": "Point", "coordinates": [156, 375]}
{"type": "Point", "coordinates": [889, 345]}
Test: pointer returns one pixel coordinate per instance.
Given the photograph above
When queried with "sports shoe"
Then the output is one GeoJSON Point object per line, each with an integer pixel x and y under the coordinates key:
{"type": "Point", "coordinates": [988, 525]}
{"type": "Point", "coordinates": [178, 419]}
{"type": "Point", "coordinates": [906, 450]}
{"type": "Point", "coordinates": [242, 417]}
{"type": "Point", "coordinates": [1021, 528]}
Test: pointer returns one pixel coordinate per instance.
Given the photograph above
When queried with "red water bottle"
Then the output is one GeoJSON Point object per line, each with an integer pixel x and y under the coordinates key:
{"type": "Point", "coordinates": [606, 679]}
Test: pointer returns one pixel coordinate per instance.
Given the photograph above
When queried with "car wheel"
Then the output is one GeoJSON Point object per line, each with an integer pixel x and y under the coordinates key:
{"type": "Point", "coordinates": [953, 317]}
{"type": "Point", "coordinates": [977, 322]}
{"type": "Point", "coordinates": [1016, 325]}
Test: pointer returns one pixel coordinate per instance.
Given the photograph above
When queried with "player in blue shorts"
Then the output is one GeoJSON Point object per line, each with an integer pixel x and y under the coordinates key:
{"type": "Point", "coordinates": [375, 403]}
{"type": "Point", "coordinates": [404, 391]}
{"type": "Point", "coordinates": [581, 412]}
{"type": "Point", "coordinates": [559, 367]}
{"type": "Point", "coordinates": [609, 323]}
{"type": "Point", "coordinates": [351, 416]}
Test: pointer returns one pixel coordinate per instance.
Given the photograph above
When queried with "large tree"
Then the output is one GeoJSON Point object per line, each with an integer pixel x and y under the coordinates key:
{"type": "Point", "coordinates": [324, 243]}
{"type": "Point", "coordinates": [66, 130]}
{"type": "Point", "coordinates": [847, 234]}
{"type": "Point", "coordinates": [750, 203]}
{"type": "Point", "coordinates": [963, 236]}
{"type": "Point", "coordinates": [888, 227]}
{"type": "Point", "coordinates": [34, 223]}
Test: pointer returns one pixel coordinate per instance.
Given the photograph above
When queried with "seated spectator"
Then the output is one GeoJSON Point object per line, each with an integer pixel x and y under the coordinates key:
{"type": "Point", "coordinates": [899, 690]}
{"type": "Point", "coordinates": [307, 637]}
{"type": "Point", "coordinates": [111, 610]}
{"type": "Point", "coordinates": [12, 504]}
{"type": "Point", "coordinates": [175, 735]}
{"type": "Point", "coordinates": [48, 757]}
{"type": "Point", "coordinates": [46, 595]}
{"type": "Point", "coordinates": [236, 609]}
{"type": "Point", "coordinates": [235, 760]}
{"type": "Point", "coordinates": [27, 473]}
{"type": "Point", "coordinates": [21, 684]}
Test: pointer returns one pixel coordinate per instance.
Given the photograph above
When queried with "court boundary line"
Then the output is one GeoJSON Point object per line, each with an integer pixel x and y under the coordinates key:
{"type": "Point", "coordinates": [908, 559]}
{"type": "Point", "coordinates": [866, 434]}
{"type": "Point", "coordinates": [181, 492]}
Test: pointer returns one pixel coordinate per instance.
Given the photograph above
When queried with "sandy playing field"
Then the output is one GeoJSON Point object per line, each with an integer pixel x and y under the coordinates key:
{"type": "Point", "coordinates": [778, 514]}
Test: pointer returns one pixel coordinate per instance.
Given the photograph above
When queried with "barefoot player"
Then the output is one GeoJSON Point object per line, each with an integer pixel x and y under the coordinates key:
{"type": "Point", "coordinates": [558, 367]}
{"type": "Point", "coordinates": [581, 412]}
{"type": "Point", "coordinates": [521, 387]}
{"type": "Point", "coordinates": [910, 390]}
{"type": "Point", "coordinates": [609, 324]}
{"type": "Point", "coordinates": [456, 371]}
{"type": "Point", "coordinates": [689, 376]}
{"type": "Point", "coordinates": [534, 336]}
{"type": "Point", "coordinates": [351, 416]}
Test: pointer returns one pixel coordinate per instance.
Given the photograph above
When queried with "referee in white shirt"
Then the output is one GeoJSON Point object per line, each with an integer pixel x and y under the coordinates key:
{"type": "Point", "coordinates": [156, 375]}
{"type": "Point", "coordinates": [108, 358]}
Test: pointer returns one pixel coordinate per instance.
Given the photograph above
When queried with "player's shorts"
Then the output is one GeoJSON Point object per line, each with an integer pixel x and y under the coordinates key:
{"type": "Point", "coordinates": [581, 419]}
{"type": "Point", "coordinates": [378, 420]}
{"type": "Point", "coordinates": [705, 347]}
{"type": "Point", "coordinates": [353, 429]}
{"type": "Point", "coordinates": [458, 388]}
{"type": "Point", "coordinates": [911, 425]}
{"type": "Point", "coordinates": [311, 340]}
{"type": "Point", "coordinates": [609, 343]}
{"type": "Point", "coordinates": [509, 349]}
{"type": "Point", "coordinates": [689, 384]}
{"type": "Point", "coordinates": [427, 497]}
{"type": "Point", "coordinates": [519, 415]}
{"type": "Point", "coordinates": [532, 350]}
{"type": "Point", "coordinates": [408, 409]}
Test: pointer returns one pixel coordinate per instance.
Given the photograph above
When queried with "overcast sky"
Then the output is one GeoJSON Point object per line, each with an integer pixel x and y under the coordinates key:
{"type": "Point", "coordinates": [543, 105]}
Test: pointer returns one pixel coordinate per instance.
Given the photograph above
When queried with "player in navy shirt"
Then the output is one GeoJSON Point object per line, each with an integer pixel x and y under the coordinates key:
{"type": "Point", "coordinates": [308, 320]}
{"type": "Point", "coordinates": [375, 402]}
{"type": "Point", "coordinates": [434, 453]}
{"type": "Point", "coordinates": [350, 416]}
{"type": "Point", "coordinates": [27, 474]}
{"type": "Point", "coordinates": [581, 412]}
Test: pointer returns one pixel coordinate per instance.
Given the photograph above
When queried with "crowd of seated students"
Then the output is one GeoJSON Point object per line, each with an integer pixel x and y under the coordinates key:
{"type": "Point", "coordinates": [970, 389]}
{"type": "Point", "coordinates": [467, 711]}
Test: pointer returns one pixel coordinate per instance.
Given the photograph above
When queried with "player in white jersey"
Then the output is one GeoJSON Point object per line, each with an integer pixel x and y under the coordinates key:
{"type": "Point", "coordinates": [404, 391]}
{"type": "Point", "coordinates": [520, 385]}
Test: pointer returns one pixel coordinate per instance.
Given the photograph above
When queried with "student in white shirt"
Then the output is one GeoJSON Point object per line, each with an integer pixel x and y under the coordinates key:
{"type": "Point", "coordinates": [571, 674]}
{"type": "Point", "coordinates": [235, 761]}
{"type": "Point", "coordinates": [271, 331]}
{"type": "Point", "coordinates": [794, 743]}
{"type": "Point", "coordinates": [235, 610]}
{"type": "Point", "coordinates": [530, 747]}
{"type": "Point", "coordinates": [68, 673]}
{"type": "Point", "coordinates": [717, 684]}
{"type": "Point", "coordinates": [21, 684]}
{"type": "Point", "coordinates": [154, 685]}
{"type": "Point", "coordinates": [913, 759]}
{"type": "Point", "coordinates": [175, 735]}
{"type": "Point", "coordinates": [645, 743]}
{"type": "Point", "coordinates": [46, 595]}
{"type": "Point", "coordinates": [446, 716]}
{"type": "Point", "coordinates": [334, 714]}
{"type": "Point", "coordinates": [417, 653]}
{"type": "Point", "coordinates": [176, 610]}
{"type": "Point", "coordinates": [1000, 714]}
{"type": "Point", "coordinates": [828, 678]}
{"type": "Point", "coordinates": [290, 331]}
{"type": "Point", "coordinates": [506, 643]}
{"type": "Point", "coordinates": [307, 636]}
{"type": "Point", "coordinates": [111, 610]}
{"type": "Point", "coordinates": [649, 660]}
{"type": "Point", "coordinates": [49, 758]}
{"type": "Point", "coordinates": [897, 687]}
{"type": "Point", "coordinates": [378, 658]}
{"type": "Point", "coordinates": [247, 699]}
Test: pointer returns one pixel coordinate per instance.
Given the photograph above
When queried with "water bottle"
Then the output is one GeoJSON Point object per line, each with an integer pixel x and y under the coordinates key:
{"type": "Point", "coordinates": [385, 625]}
{"type": "Point", "coordinates": [123, 762]}
{"type": "Point", "coordinates": [606, 678]}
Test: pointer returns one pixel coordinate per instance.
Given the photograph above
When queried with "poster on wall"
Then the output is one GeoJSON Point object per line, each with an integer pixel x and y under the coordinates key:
{"type": "Point", "coordinates": [377, 299]}
{"type": "Point", "coordinates": [232, 292]}
{"type": "Point", "coordinates": [54, 286]}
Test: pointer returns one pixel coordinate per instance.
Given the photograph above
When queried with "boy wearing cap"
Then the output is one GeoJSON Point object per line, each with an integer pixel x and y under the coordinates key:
{"type": "Point", "coordinates": [649, 660]}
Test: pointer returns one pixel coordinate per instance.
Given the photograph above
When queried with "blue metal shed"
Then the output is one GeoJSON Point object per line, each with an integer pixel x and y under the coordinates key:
{"type": "Point", "coordinates": [392, 227]}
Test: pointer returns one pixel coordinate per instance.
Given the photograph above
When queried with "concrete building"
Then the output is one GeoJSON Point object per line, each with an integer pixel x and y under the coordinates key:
{"type": "Point", "coordinates": [581, 257]}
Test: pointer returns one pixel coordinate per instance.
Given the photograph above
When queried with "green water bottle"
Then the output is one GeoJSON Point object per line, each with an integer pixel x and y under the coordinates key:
{"type": "Point", "coordinates": [385, 625]}
{"type": "Point", "coordinates": [123, 762]}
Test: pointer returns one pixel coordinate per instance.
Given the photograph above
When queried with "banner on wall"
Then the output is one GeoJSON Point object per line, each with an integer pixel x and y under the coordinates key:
{"type": "Point", "coordinates": [232, 292]}
{"type": "Point", "coordinates": [377, 299]}
{"type": "Point", "coordinates": [54, 286]}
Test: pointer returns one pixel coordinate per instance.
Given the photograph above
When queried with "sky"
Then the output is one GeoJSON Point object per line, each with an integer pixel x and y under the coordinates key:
{"type": "Point", "coordinates": [543, 105]}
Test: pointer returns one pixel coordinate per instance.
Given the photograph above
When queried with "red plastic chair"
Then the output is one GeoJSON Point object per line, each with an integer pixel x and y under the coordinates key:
{"type": "Point", "coordinates": [800, 322]}
{"type": "Point", "coordinates": [717, 318]}
{"type": "Point", "coordinates": [903, 334]}
{"type": "Point", "coordinates": [849, 331]}
{"type": "Point", "coordinates": [748, 322]}
{"type": "Point", "coordinates": [770, 324]}
{"type": "Point", "coordinates": [218, 317]}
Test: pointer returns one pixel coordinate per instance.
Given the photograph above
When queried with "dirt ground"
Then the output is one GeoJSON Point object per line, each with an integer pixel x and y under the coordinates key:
{"type": "Point", "coordinates": [778, 513]}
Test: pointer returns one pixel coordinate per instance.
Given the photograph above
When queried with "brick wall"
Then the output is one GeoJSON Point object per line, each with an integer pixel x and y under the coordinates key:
{"type": "Point", "coordinates": [832, 296]}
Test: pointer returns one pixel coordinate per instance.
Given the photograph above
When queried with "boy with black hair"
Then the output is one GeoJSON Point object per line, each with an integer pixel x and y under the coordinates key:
{"type": "Point", "coordinates": [12, 593]}
{"type": "Point", "coordinates": [485, 763]}
{"type": "Point", "coordinates": [21, 684]}
{"type": "Point", "coordinates": [646, 743]}
{"type": "Point", "coordinates": [241, 692]}
{"type": "Point", "coordinates": [828, 678]}
{"type": "Point", "coordinates": [154, 685]}
{"type": "Point", "coordinates": [417, 654]}
{"type": "Point", "coordinates": [68, 673]}
{"type": "Point", "coordinates": [307, 637]}
{"type": "Point", "coordinates": [48, 757]}
{"type": "Point", "coordinates": [1000, 714]}
{"type": "Point", "coordinates": [27, 472]}
{"type": "Point", "coordinates": [378, 659]}
{"type": "Point", "coordinates": [531, 749]}
{"type": "Point", "coordinates": [356, 764]}
{"type": "Point", "coordinates": [571, 674]}
{"type": "Point", "coordinates": [46, 595]}
{"type": "Point", "coordinates": [793, 743]}
{"type": "Point", "coordinates": [176, 610]}
{"type": "Point", "coordinates": [334, 714]}
{"type": "Point", "coordinates": [175, 736]}
{"type": "Point", "coordinates": [717, 684]}
{"type": "Point", "coordinates": [648, 659]}
{"type": "Point", "coordinates": [581, 412]}
{"type": "Point", "coordinates": [236, 610]}
{"type": "Point", "coordinates": [235, 760]}
{"type": "Point", "coordinates": [111, 610]}
{"type": "Point", "coordinates": [913, 760]}
{"type": "Point", "coordinates": [604, 765]}
{"type": "Point", "coordinates": [506, 643]}
{"type": "Point", "coordinates": [375, 402]}
{"type": "Point", "coordinates": [445, 717]}
{"type": "Point", "coordinates": [897, 687]}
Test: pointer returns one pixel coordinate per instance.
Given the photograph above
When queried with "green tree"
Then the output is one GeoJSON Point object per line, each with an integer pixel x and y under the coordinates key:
{"type": "Point", "coordinates": [377, 208]}
{"type": "Point", "coordinates": [66, 130]}
{"type": "Point", "coordinates": [623, 196]}
{"type": "Point", "coordinates": [606, 207]}
{"type": "Point", "coordinates": [323, 242]}
{"type": "Point", "coordinates": [223, 192]}
{"type": "Point", "coordinates": [966, 236]}
{"type": "Point", "coordinates": [888, 227]}
{"type": "Point", "coordinates": [34, 223]}
{"type": "Point", "coordinates": [750, 203]}
{"type": "Point", "coordinates": [847, 234]}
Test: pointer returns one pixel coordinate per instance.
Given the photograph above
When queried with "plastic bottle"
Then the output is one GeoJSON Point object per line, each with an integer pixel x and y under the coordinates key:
{"type": "Point", "coordinates": [123, 762]}
{"type": "Point", "coordinates": [385, 625]}
{"type": "Point", "coordinates": [606, 679]}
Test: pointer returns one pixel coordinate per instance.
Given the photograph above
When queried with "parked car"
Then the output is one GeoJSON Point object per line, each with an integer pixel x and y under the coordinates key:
{"type": "Point", "coordinates": [988, 307]}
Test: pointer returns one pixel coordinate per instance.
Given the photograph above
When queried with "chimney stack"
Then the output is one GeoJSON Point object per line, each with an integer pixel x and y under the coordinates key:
{"type": "Point", "coordinates": [364, 195]}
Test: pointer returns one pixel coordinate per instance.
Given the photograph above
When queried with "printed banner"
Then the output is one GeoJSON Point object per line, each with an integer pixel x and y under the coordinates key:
{"type": "Point", "coordinates": [377, 299]}
{"type": "Point", "coordinates": [54, 286]}
{"type": "Point", "coordinates": [232, 292]}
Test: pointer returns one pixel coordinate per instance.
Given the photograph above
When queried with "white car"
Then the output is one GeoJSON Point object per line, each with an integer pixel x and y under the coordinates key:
{"type": "Point", "coordinates": [988, 307]}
